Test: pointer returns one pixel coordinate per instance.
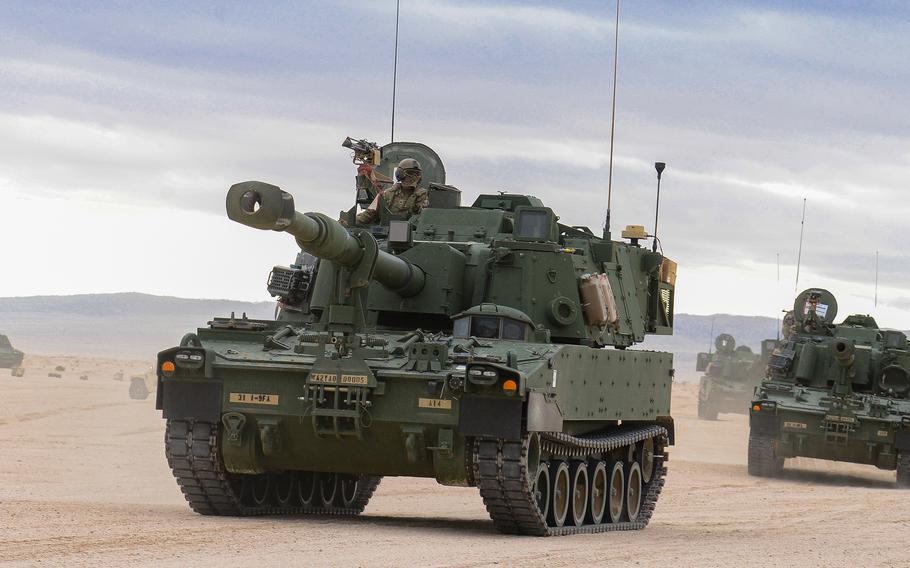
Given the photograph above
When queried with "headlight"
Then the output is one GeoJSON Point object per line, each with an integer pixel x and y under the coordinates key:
{"type": "Point", "coordinates": [189, 359]}
{"type": "Point", "coordinates": [482, 376]}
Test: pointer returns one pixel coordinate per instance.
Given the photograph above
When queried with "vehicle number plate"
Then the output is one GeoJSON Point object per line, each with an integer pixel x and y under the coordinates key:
{"type": "Point", "coordinates": [254, 398]}
{"type": "Point", "coordinates": [332, 378]}
{"type": "Point", "coordinates": [439, 403]}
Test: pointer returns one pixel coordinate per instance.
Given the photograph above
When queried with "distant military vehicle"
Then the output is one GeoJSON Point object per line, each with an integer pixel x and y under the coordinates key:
{"type": "Point", "coordinates": [139, 386]}
{"type": "Point", "coordinates": [731, 374]}
{"type": "Point", "coordinates": [483, 346]}
{"type": "Point", "coordinates": [11, 358]}
{"type": "Point", "coordinates": [834, 392]}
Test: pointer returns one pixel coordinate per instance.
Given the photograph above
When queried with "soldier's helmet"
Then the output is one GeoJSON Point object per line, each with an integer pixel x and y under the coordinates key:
{"type": "Point", "coordinates": [788, 324]}
{"type": "Point", "coordinates": [408, 169]}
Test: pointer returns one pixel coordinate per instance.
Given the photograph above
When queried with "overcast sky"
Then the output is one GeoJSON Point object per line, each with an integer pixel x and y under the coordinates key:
{"type": "Point", "coordinates": [122, 125]}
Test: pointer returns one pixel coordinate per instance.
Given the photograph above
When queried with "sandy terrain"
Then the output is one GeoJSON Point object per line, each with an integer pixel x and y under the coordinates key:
{"type": "Point", "coordinates": [83, 482]}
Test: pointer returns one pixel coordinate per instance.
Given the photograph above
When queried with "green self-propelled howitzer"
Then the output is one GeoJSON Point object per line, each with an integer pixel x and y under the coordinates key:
{"type": "Point", "coordinates": [481, 346]}
{"type": "Point", "coordinates": [731, 374]}
{"type": "Point", "coordinates": [834, 392]}
{"type": "Point", "coordinates": [10, 357]}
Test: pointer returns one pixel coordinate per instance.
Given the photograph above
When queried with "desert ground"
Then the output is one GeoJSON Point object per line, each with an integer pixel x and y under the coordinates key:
{"type": "Point", "coordinates": [83, 482]}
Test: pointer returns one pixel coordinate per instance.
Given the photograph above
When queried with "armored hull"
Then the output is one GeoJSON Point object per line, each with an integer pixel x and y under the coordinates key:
{"type": "Point", "coordinates": [462, 347]}
{"type": "Point", "coordinates": [864, 429]}
{"type": "Point", "coordinates": [834, 392]}
{"type": "Point", "coordinates": [273, 412]}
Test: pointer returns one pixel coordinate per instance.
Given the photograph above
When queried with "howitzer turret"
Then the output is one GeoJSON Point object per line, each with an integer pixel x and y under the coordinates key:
{"type": "Point", "coordinates": [264, 206]}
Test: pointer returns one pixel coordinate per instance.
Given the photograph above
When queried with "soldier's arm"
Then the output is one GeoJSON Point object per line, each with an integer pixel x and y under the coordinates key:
{"type": "Point", "coordinates": [369, 214]}
{"type": "Point", "coordinates": [422, 201]}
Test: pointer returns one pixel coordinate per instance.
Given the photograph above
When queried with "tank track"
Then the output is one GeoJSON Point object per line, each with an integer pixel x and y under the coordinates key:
{"type": "Point", "coordinates": [903, 470]}
{"type": "Point", "coordinates": [192, 450]}
{"type": "Point", "coordinates": [761, 459]}
{"type": "Point", "coordinates": [500, 472]}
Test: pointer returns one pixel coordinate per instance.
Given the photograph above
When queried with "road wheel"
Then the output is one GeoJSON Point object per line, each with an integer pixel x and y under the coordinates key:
{"type": "Point", "coordinates": [617, 489]}
{"type": "Point", "coordinates": [600, 488]}
{"type": "Point", "coordinates": [285, 488]}
{"type": "Point", "coordinates": [561, 494]}
{"type": "Point", "coordinates": [306, 488]}
{"type": "Point", "coordinates": [762, 461]}
{"type": "Point", "coordinates": [257, 489]}
{"type": "Point", "coordinates": [347, 489]}
{"type": "Point", "coordinates": [328, 488]}
{"type": "Point", "coordinates": [580, 492]}
{"type": "Point", "coordinates": [646, 459]}
{"type": "Point", "coordinates": [541, 489]}
{"type": "Point", "coordinates": [633, 492]}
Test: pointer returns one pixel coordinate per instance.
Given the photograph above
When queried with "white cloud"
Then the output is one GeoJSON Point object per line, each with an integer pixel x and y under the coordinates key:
{"type": "Point", "coordinates": [753, 110]}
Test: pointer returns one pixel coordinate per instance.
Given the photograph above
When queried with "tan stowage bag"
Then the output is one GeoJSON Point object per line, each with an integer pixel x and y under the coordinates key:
{"type": "Point", "coordinates": [597, 299]}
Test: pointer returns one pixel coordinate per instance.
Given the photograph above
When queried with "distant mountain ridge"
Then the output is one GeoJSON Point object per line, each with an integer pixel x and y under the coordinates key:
{"type": "Point", "coordinates": [124, 325]}
{"type": "Point", "coordinates": [134, 325]}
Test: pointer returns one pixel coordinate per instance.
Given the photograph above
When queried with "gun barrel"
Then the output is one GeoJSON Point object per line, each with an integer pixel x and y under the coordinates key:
{"type": "Point", "coordinates": [267, 207]}
{"type": "Point", "coordinates": [844, 353]}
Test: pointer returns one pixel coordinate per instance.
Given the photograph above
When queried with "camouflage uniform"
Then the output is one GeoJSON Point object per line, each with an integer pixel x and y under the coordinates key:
{"type": "Point", "coordinates": [400, 201]}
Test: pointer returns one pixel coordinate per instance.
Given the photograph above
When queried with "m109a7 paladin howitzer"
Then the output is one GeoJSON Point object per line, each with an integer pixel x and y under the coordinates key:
{"type": "Point", "coordinates": [833, 392]}
{"type": "Point", "coordinates": [481, 346]}
{"type": "Point", "coordinates": [731, 374]}
{"type": "Point", "coordinates": [11, 358]}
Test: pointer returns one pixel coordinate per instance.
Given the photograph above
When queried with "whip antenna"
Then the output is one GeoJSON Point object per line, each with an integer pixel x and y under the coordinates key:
{"type": "Point", "coordinates": [612, 122]}
{"type": "Point", "coordinates": [395, 67]}
{"type": "Point", "coordinates": [799, 255]}
{"type": "Point", "coordinates": [875, 300]}
{"type": "Point", "coordinates": [711, 338]}
{"type": "Point", "coordinates": [778, 293]}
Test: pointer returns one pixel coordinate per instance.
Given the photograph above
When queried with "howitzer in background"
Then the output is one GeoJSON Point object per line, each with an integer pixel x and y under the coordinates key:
{"type": "Point", "coordinates": [835, 392]}
{"type": "Point", "coordinates": [731, 374]}
{"type": "Point", "coordinates": [10, 357]}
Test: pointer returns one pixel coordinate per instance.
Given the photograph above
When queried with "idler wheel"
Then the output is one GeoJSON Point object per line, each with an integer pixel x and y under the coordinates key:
{"type": "Point", "coordinates": [597, 504]}
{"type": "Point", "coordinates": [633, 492]}
{"type": "Point", "coordinates": [580, 490]}
{"type": "Point", "coordinates": [328, 488]}
{"type": "Point", "coordinates": [617, 490]}
{"type": "Point", "coordinates": [561, 493]}
{"type": "Point", "coordinates": [285, 488]}
{"type": "Point", "coordinates": [306, 488]}
{"type": "Point", "coordinates": [541, 489]}
{"type": "Point", "coordinates": [347, 489]}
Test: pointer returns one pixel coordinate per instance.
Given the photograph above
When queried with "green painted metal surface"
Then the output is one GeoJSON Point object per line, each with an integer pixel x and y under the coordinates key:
{"type": "Point", "coordinates": [400, 343]}
{"type": "Point", "coordinates": [834, 392]}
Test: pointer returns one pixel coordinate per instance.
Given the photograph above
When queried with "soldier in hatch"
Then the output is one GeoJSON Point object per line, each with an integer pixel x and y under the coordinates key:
{"type": "Point", "coordinates": [789, 325]}
{"type": "Point", "coordinates": [404, 197]}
